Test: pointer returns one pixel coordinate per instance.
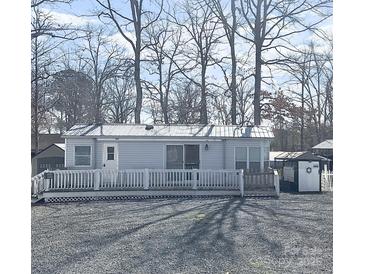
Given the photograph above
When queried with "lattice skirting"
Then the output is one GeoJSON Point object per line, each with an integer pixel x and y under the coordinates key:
{"type": "Point", "coordinates": [111, 198]}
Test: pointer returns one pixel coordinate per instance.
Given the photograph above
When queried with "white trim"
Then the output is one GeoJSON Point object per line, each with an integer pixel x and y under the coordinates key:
{"type": "Point", "coordinates": [91, 155]}
{"type": "Point", "coordinates": [158, 140]}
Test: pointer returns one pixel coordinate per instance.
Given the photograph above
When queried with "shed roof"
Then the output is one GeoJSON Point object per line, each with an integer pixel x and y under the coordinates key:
{"type": "Point", "coordinates": [60, 146]}
{"type": "Point", "coordinates": [139, 130]}
{"type": "Point", "coordinates": [327, 144]}
{"type": "Point", "coordinates": [298, 156]}
{"type": "Point", "coordinates": [45, 140]}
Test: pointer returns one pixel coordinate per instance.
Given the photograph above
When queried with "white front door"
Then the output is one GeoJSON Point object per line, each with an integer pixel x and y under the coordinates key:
{"type": "Point", "coordinates": [110, 156]}
{"type": "Point", "coordinates": [308, 176]}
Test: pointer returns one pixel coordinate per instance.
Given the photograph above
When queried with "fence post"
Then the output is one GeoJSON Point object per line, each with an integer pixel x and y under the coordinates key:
{"type": "Point", "coordinates": [276, 182]}
{"type": "Point", "coordinates": [195, 179]}
{"type": "Point", "coordinates": [242, 182]}
{"type": "Point", "coordinates": [146, 179]}
{"type": "Point", "coordinates": [97, 178]}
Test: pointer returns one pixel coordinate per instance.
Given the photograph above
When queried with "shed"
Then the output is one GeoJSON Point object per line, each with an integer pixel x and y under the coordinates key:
{"type": "Point", "coordinates": [51, 158]}
{"type": "Point", "coordinates": [301, 171]}
{"type": "Point", "coordinates": [138, 146]}
{"type": "Point", "coordinates": [44, 141]}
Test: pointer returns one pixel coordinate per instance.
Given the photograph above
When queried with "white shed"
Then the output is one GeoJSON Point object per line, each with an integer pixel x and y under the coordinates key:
{"type": "Point", "coordinates": [132, 146]}
{"type": "Point", "coordinates": [301, 170]}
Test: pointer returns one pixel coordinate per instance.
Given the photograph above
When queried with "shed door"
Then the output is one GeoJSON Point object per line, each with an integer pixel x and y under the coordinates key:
{"type": "Point", "coordinates": [110, 156]}
{"type": "Point", "coordinates": [308, 176]}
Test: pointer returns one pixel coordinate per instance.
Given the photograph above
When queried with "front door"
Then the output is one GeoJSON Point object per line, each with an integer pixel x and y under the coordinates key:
{"type": "Point", "coordinates": [110, 158]}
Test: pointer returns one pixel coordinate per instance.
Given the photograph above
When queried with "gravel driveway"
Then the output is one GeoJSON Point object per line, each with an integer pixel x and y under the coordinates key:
{"type": "Point", "coordinates": [225, 235]}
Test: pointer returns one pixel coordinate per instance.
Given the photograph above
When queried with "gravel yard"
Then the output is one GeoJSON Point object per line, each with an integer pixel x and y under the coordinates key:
{"type": "Point", "coordinates": [227, 235]}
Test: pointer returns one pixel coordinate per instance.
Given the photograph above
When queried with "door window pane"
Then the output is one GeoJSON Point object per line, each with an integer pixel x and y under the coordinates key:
{"type": "Point", "coordinates": [174, 156]}
{"type": "Point", "coordinates": [110, 152]}
{"type": "Point", "coordinates": [191, 156]}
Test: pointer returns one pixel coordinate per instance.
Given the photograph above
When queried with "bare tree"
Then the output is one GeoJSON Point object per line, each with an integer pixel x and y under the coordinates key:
{"type": "Point", "coordinates": [103, 60]}
{"type": "Point", "coordinates": [270, 21]}
{"type": "Point", "coordinates": [164, 47]}
{"type": "Point", "coordinates": [120, 101]}
{"type": "Point", "coordinates": [140, 19]}
{"type": "Point", "coordinates": [185, 103]}
{"type": "Point", "coordinates": [229, 22]}
{"type": "Point", "coordinates": [72, 90]}
{"type": "Point", "coordinates": [43, 57]}
{"type": "Point", "coordinates": [201, 25]}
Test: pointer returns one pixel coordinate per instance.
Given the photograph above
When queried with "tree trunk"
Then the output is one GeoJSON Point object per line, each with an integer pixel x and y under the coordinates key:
{"type": "Point", "coordinates": [258, 48]}
{"type": "Point", "coordinates": [257, 94]}
{"type": "Point", "coordinates": [203, 102]}
{"type": "Point", "coordinates": [302, 115]}
{"type": "Point", "coordinates": [137, 79]}
{"type": "Point", "coordinates": [233, 86]}
{"type": "Point", "coordinates": [35, 107]}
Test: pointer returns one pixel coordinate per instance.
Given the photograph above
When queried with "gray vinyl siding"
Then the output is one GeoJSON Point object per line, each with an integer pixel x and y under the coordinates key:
{"type": "Point", "coordinates": [151, 154]}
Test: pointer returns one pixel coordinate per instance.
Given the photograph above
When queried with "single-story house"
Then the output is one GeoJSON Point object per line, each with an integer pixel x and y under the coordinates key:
{"type": "Point", "coordinates": [137, 146]}
{"type": "Point", "coordinates": [51, 158]}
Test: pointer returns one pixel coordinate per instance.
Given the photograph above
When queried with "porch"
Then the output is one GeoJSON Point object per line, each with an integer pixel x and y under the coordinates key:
{"type": "Point", "coordinates": [70, 185]}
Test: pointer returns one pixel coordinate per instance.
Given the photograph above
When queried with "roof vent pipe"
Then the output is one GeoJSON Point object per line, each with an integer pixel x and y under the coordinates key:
{"type": "Point", "coordinates": [148, 127]}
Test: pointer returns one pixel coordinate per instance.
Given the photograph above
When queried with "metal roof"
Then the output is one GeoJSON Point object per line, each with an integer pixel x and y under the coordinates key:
{"type": "Point", "coordinates": [327, 144]}
{"type": "Point", "coordinates": [61, 145]}
{"type": "Point", "coordinates": [139, 130]}
{"type": "Point", "coordinates": [297, 156]}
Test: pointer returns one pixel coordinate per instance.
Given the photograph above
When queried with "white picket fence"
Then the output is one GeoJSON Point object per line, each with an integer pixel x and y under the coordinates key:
{"type": "Point", "coordinates": [327, 180]}
{"type": "Point", "coordinates": [153, 179]}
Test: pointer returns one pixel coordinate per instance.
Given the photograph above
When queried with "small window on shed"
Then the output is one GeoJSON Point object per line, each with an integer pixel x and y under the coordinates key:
{"type": "Point", "coordinates": [82, 155]}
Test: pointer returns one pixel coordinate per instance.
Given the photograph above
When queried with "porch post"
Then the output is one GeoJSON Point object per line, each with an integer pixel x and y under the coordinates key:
{"type": "Point", "coordinates": [242, 182]}
{"type": "Point", "coordinates": [195, 179]}
{"type": "Point", "coordinates": [146, 179]}
{"type": "Point", "coordinates": [97, 175]}
{"type": "Point", "coordinates": [277, 182]}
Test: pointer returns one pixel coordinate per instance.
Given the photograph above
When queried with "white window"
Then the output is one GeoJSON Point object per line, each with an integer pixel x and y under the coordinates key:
{"type": "Point", "coordinates": [82, 155]}
{"type": "Point", "coordinates": [248, 158]}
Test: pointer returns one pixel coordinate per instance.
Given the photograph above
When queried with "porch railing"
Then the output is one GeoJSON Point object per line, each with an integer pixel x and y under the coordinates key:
{"type": "Point", "coordinates": [153, 179]}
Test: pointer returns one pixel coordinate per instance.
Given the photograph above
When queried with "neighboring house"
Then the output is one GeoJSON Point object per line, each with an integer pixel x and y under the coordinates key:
{"type": "Point", "coordinates": [130, 146]}
{"type": "Point", "coordinates": [325, 149]}
{"type": "Point", "coordinates": [51, 158]}
{"type": "Point", "coordinates": [44, 141]}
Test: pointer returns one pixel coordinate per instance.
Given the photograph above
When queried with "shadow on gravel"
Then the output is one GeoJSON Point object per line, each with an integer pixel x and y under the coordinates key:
{"type": "Point", "coordinates": [186, 231]}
